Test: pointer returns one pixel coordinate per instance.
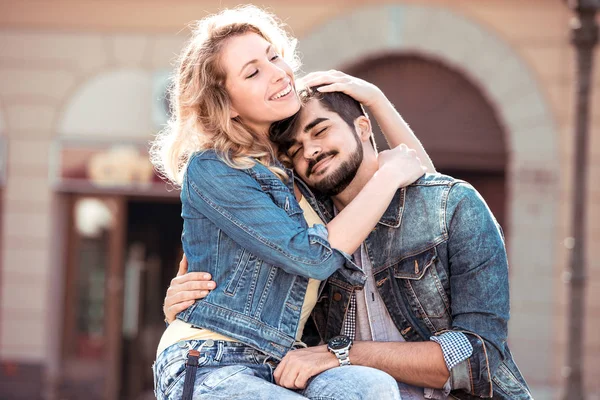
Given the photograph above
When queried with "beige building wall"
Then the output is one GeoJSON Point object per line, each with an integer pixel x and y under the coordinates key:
{"type": "Point", "coordinates": [50, 51]}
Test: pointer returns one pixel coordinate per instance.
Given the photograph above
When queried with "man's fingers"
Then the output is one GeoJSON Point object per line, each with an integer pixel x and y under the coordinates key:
{"type": "Point", "coordinates": [280, 371]}
{"type": "Point", "coordinates": [287, 380]}
{"type": "Point", "coordinates": [183, 266]}
{"type": "Point", "coordinates": [196, 285]}
{"type": "Point", "coordinates": [286, 373]}
{"type": "Point", "coordinates": [187, 296]}
{"type": "Point", "coordinates": [192, 276]}
{"type": "Point", "coordinates": [301, 380]}
{"type": "Point", "coordinates": [277, 374]}
{"type": "Point", "coordinates": [175, 309]}
{"type": "Point", "coordinates": [280, 368]}
{"type": "Point", "coordinates": [178, 286]}
{"type": "Point", "coordinates": [189, 287]}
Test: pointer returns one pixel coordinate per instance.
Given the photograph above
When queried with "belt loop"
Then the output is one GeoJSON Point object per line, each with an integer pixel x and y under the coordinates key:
{"type": "Point", "coordinates": [220, 350]}
{"type": "Point", "coordinates": [207, 343]}
{"type": "Point", "coordinates": [190, 375]}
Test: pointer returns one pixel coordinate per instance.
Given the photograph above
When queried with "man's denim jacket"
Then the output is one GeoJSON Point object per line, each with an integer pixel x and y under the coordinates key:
{"type": "Point", "coordinates": [440, 264]}
{"type": "Point", "coordinates": [245, 227]}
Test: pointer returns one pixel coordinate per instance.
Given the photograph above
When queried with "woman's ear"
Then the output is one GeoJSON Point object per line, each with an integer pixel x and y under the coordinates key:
{"type": "Point", "coordinates": [363, 128]}
{"type": "Point", "coordinates": [233, 113]}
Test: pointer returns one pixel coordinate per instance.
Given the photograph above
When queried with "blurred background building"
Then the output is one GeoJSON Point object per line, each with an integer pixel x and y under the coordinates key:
{"type": "Point", "coordinates": [90, 238]}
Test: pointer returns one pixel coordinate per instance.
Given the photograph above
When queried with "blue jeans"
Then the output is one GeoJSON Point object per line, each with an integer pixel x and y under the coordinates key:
{"type": "Point", "coordinates": [230, 370]}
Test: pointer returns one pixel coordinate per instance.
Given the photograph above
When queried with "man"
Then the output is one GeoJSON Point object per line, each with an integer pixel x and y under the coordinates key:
{"type": "Point", "coordinates": [434, 310]}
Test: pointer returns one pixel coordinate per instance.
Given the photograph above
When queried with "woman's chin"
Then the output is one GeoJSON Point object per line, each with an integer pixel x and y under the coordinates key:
{"type": "Point", "coordinates": [290, 109]}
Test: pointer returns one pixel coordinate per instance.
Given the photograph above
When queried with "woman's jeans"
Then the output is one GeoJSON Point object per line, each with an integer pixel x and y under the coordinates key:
{"type": "Point", "coordinates": [230, 370]}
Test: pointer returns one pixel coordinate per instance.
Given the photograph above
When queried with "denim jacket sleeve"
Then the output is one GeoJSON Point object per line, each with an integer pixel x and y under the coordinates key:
{"type": "Point", "coordinates": [479, 287]}
{"type": "Point", "coordinates": [235, 202]}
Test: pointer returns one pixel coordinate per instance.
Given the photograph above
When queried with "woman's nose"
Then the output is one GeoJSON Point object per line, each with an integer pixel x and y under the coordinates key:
{"type": "Point", "coordinates": [278, 74]}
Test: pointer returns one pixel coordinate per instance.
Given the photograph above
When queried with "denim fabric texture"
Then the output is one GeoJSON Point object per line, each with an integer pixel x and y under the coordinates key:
{"type": "Point", "coordinates": [229, 370]}
{"type": "Point", "coordinates": [440, 265]}
{"type": "Point", "coordinates": [245, 228]}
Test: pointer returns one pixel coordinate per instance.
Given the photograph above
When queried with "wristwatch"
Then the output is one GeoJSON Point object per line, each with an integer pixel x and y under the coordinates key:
{"type": "Point", "coordinates": [340, 346]}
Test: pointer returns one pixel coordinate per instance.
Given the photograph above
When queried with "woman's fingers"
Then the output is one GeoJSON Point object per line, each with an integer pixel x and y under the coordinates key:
{"type": "Point", "coordinates": [334, 87]}
{"type": "Point", "coordinates": [323, 77]}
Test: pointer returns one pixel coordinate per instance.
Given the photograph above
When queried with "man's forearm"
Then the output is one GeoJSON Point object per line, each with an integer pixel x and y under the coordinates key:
{"type": "Point", "coordinates": [397, 131]}
{"type": "Point", "coordinates": [416, 363]}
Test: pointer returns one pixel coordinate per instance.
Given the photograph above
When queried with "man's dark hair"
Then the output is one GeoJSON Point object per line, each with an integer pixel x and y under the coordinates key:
{"type": "Point", "coordinates": [283, 132]}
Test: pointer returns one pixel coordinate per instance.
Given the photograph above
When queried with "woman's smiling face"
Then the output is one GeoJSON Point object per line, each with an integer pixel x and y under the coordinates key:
{"type": "Point", "coordinates": [259, 82]}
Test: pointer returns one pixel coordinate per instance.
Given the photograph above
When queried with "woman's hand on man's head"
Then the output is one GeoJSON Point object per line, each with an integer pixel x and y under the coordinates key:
{"type": "Point", "coordinates": [360, 90]}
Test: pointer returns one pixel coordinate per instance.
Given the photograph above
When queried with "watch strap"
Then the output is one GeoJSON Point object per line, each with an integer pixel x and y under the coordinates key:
{"type": "Point", "coordinates": [343, 356]}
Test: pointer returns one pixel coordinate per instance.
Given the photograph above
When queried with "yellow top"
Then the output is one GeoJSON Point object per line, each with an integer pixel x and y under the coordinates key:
{"type": "Point", "coordinates": [179, 331]}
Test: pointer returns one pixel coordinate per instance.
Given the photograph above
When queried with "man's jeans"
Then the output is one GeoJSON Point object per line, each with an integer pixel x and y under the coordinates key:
{"type": "Point", "coordinates": [229, 370]}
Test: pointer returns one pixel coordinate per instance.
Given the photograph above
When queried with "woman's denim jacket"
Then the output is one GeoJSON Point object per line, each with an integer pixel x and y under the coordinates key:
{"type": "Point", "coordinates": [245, 228]}
{"type": "Point", "coordinates": [440, 264]}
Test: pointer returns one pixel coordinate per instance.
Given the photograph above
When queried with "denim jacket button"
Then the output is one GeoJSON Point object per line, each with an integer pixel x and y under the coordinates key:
{"type": "Point", "coordinates": [337, 296]}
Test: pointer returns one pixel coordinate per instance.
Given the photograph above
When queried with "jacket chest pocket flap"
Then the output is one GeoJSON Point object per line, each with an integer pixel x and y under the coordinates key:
{"type": "Point", "coordinates": [414, 267]}
{"type": "Point", "coordinates": [425, 291]}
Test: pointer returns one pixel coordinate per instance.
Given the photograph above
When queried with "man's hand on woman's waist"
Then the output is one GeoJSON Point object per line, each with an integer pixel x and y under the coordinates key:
{"type": "Point", "coordinates": [185, 289]}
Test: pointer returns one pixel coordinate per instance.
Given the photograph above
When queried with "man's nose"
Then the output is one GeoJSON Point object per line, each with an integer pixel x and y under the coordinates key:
{"type": "Point", "coordinates": [311, 151]}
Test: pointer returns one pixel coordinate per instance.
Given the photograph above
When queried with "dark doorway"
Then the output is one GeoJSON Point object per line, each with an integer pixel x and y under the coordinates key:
{"type": "Point", "coordinates": [455, 122]}
{"type": "Point", "coordinates": [152, 254]}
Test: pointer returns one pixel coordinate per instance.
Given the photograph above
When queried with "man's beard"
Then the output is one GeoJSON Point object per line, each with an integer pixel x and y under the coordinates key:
{"type": "Point", "coordinates": [335, 182]}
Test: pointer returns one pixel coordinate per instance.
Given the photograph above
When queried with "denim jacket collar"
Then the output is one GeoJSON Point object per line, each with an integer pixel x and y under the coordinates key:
{"type": "Point", "coordinates": [392, 217]}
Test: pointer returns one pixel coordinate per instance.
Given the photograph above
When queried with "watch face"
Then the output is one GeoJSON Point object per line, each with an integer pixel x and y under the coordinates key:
{"type": "Point", "coordinates": [339, 342]}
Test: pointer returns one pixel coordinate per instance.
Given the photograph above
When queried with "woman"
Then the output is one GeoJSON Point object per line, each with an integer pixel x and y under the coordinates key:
{"type": "Point", "coordinates": [243, 224]}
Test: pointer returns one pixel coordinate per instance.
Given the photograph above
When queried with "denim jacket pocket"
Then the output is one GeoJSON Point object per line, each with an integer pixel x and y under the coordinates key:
{"type": "Point", "coordinates": [509, 384]}
{"type": "Point", "coordinates": [280, 193]}
{"type": "Point", "coordinates": [291, 206]}
{"type": "Point", "coordinates": [242, 261]}
{"type": "Point", "coordinates": [426, 291]}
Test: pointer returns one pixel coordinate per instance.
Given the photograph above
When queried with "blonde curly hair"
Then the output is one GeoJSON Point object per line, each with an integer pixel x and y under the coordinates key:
{"type": "Point", "coordinates": [201, 117]}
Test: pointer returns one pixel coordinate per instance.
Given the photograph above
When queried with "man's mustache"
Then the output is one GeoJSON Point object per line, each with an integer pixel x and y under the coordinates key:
{"type": "Point", "coordinates": [313, 161]}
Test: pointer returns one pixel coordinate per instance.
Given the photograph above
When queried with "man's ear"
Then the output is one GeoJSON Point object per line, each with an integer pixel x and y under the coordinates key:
{"type": "Point", "coordinates": [363, 128]}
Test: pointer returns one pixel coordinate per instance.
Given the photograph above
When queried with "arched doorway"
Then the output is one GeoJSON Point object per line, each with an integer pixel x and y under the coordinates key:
{"type": "Point", "coordinates": [455, 122]}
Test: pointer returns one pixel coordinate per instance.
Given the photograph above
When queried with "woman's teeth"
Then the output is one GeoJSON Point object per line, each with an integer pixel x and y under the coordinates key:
{"type": "Point", "coordinates": [282, 93]}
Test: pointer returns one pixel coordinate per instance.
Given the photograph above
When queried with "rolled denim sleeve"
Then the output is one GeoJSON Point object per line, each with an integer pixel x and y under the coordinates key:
{"type": "Point", "coordinates": [237, 204]}
{"type": "Point", "coordinates": [479, 287]}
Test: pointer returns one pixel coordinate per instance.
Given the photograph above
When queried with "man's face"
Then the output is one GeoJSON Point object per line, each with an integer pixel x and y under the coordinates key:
{"type": "Point", "coordinates": [326, 152]}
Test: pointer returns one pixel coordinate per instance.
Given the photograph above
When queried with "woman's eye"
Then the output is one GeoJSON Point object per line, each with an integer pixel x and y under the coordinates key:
{"type": "Point", "coordinates": [275, 57]}
{"type": "Point", "coordinates": [252, 75]}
